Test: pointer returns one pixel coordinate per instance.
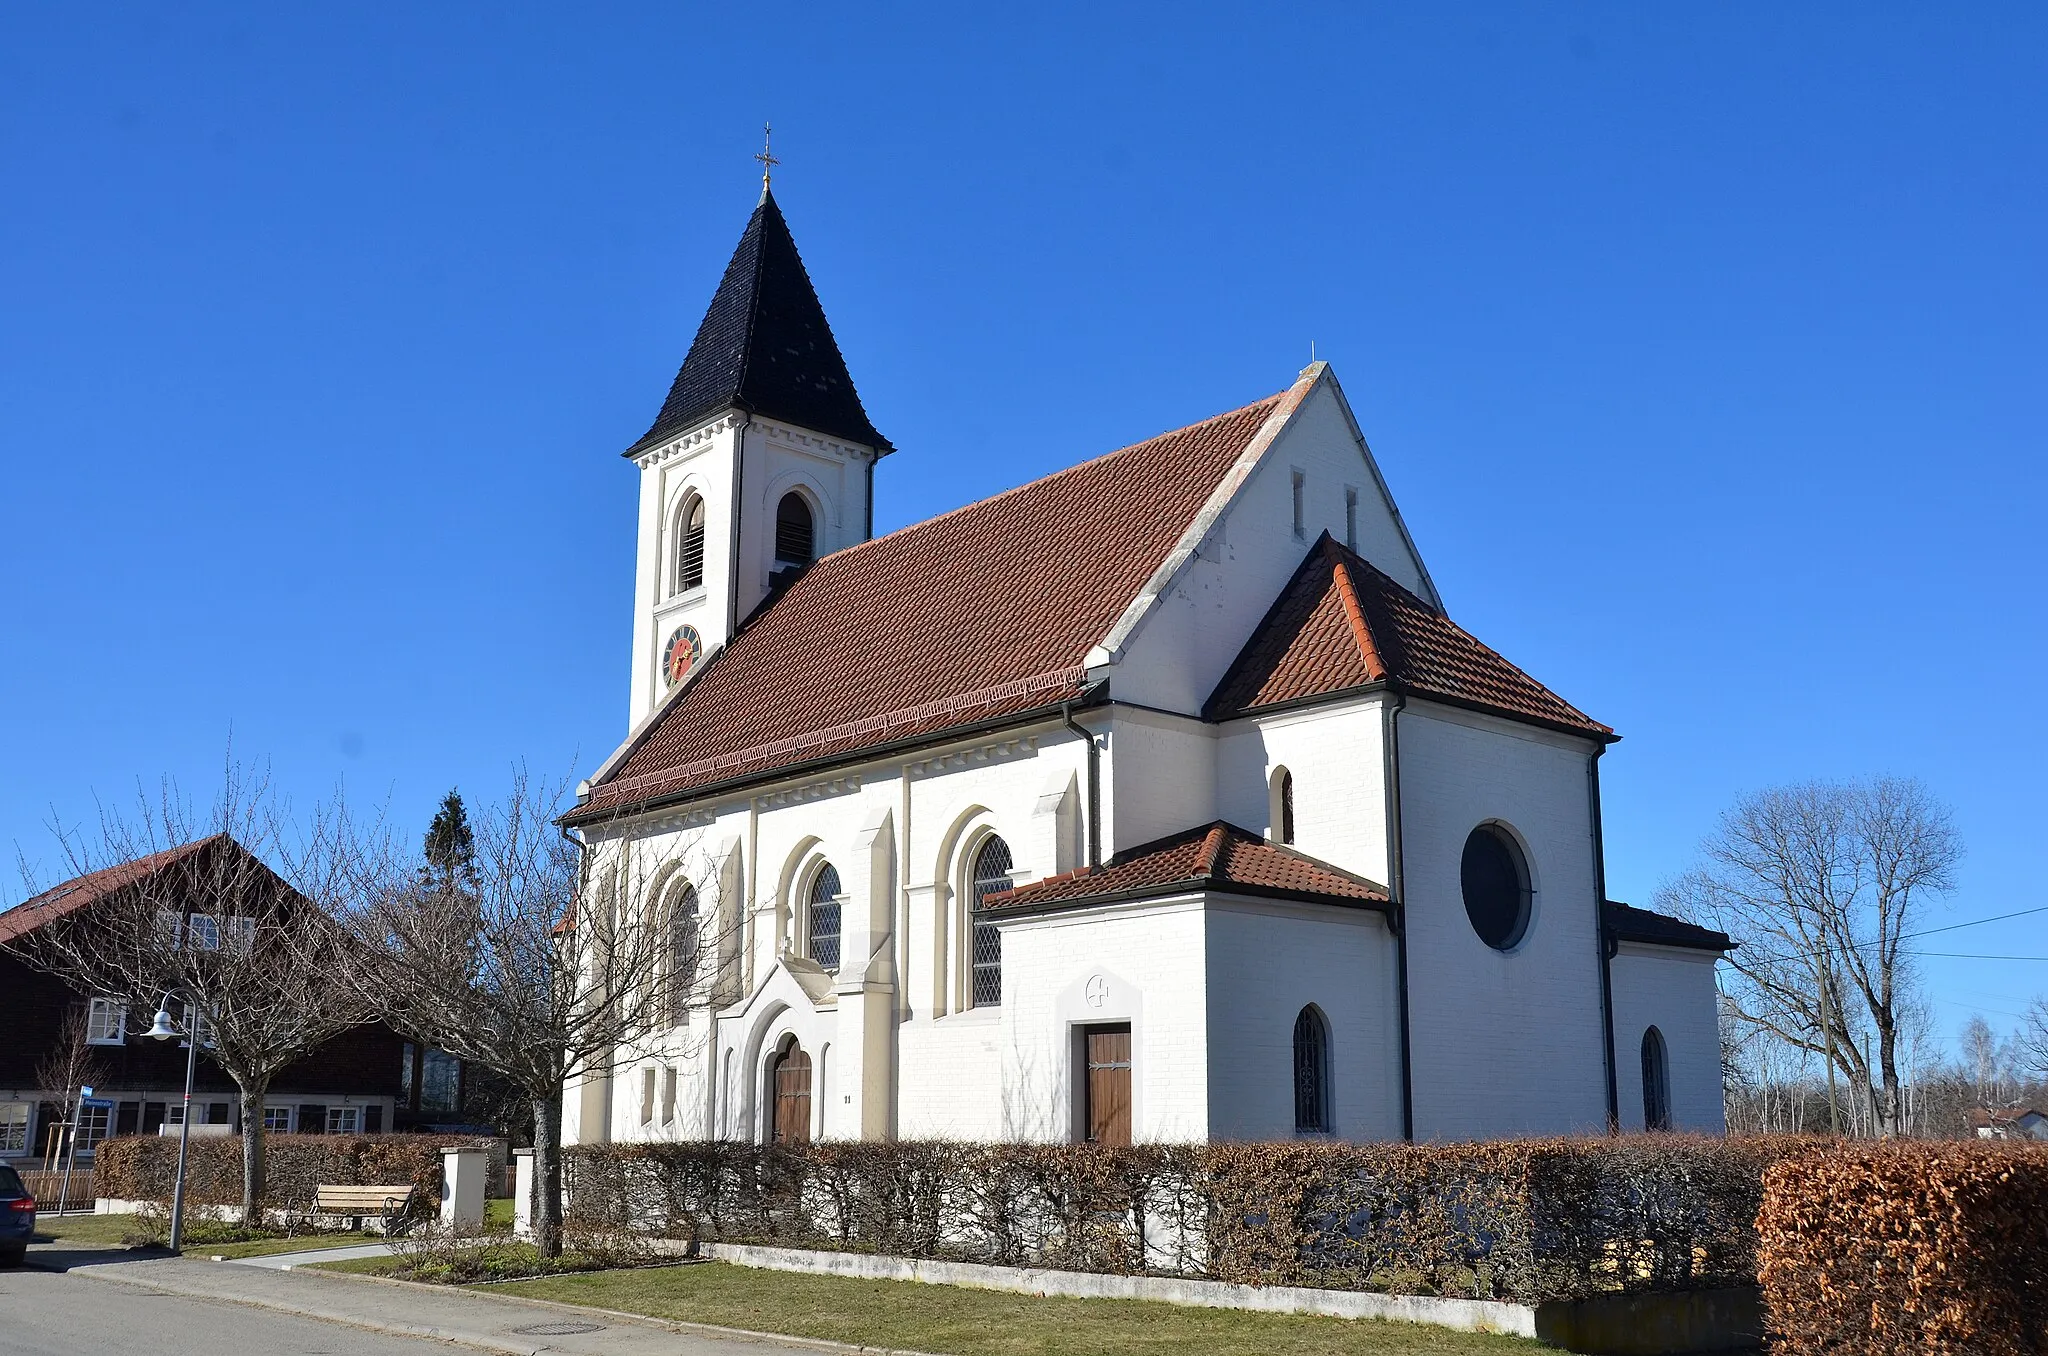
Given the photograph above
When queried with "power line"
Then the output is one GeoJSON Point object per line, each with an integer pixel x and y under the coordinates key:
{"type": "Point", "coordinates": [1918, 932]}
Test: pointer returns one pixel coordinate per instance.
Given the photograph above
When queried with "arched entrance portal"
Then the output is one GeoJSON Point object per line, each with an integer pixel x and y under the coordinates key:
{"type": "Point", "coordinates": [789, 1079]}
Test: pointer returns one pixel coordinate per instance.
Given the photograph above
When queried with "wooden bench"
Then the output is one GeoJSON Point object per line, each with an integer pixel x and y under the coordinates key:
{"type": "Point", "coordinates": [387, 1203]}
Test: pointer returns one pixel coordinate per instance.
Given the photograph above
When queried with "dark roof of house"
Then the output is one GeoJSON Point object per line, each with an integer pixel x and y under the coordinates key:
{"type": "Point", "coordinates": [1626, 923]}
{"type": "Point", "coordinates": [764, 346]}
{"type": "Point", "coordinates": [92, 887]}
{"type": "Point", "coordinates": [1340, 624]}
{"type": "Point", "coordinates": [1219, 856]}
{"type": "Point", "coordinates": [981, 613]}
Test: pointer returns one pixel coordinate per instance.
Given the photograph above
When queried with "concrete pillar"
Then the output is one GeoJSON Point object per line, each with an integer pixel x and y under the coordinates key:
{"type": "Point", "coordinates": [462, 1185]}
{"type": "Point", "coordinates": [522, 1193]}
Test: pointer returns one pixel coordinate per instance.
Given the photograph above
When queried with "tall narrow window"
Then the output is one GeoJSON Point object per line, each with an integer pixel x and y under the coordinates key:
{"type": "Point", "coordinates": [1351, 517]}
{"type": "Point", "coordinates": [1656, 1082]}
{"type": "Point", "coordinates": [1311, 1073]}
{"type": "Point", "coordinates": [1300, 519]}
{"type": "Point", "coordinates": [1281, 812]}
{"type": "Point", "coordinates": [991, 873]}
{"type": "Point", "coordinates": [689, 546]}
{"type": "Point", "coordinates": [794, 537]}
{"type": "Point", "coordinates": [824, 918]}
{"type": "Point", "coordinates": [682, 953]}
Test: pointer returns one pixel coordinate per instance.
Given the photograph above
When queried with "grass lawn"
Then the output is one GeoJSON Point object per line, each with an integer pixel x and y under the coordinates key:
{"type": "Point", "coordinates": [109, 1231]}
{"type": "Point", "coordinates": [962, 1322]}
{"type": "Point", "coordinates": [85, 1230]}
{"type": "Point", "coordinates": [498, 1212]}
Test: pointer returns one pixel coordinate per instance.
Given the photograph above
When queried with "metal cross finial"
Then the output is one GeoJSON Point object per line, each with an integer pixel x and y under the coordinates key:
{"type": "Point", "coordinates": [766, 157]}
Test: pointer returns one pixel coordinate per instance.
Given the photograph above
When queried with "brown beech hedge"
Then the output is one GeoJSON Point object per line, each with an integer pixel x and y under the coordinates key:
{"type": "Point", "coordinates": [144, 1167]}
{"type": "Point", "coordinates": [1523, 1220]}
{"type": "Point", "coordinates": [1899, 1247]}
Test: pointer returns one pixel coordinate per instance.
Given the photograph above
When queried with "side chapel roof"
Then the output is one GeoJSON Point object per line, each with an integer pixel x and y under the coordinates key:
{"type": "Point", "coordinates": [1627, 923]}
{"type": "Point", "coordinates": [1342, 624]}
{"type": "Point", "coordinates": [984, 612]}
{"type": "Point", "coordinates": [1216, 856]}
{"type": "Point", "coordinates": [764, 346]}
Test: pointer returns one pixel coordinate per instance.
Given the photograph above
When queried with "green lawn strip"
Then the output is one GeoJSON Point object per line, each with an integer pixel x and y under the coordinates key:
{"type": "Point", "coordinates": [101, 1230]}
{"type": "Point", "coordinates": [265, 1247]}
{"type": "Point", "coordinates": [498, 1213]}
{"type": "Point", "coordinates": [113, 1231]}
{"type": "Point", "coordinates": [961, 1322]}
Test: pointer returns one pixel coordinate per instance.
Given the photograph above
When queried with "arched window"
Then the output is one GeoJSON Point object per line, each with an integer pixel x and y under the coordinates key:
{"type": "Point", "coordinates": [689, 548]}
{"type": "Point", "coordinates": [1495, 880]}
{"type": "Point", "coordinates": [1281, 812]}
{"type": "Point", "coordinates": [683, 932]}
{"type": "Point", "coordinates": [822, 941]}
{"type": "Point", "coordinates": [1311, 1073]}
{"type": "Point", "coordinates": [1656, 1082]}
{"type": "Point", "coordinates": [991, 873]}
{"type": "Point", "coordinates": [794, 537]}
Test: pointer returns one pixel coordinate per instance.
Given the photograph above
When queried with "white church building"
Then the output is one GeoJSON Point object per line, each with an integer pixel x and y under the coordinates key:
{"type": "Point", "coordinates": [1158, 799]}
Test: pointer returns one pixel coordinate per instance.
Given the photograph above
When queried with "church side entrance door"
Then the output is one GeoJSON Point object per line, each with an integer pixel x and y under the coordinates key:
{"type": "Point", "coordinates": [1108, 1085]}
{"type": "Point", "coordinates": [792, 1081]}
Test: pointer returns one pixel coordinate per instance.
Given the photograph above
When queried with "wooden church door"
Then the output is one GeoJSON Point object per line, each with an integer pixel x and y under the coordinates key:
{"type": "Point", "coordinates": [1108, 1088]}
{"type": "Point", "coordinates": [792, 1095]}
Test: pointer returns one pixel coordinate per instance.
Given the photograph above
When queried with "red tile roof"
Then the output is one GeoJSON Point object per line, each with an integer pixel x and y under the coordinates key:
{"type": "Point", "coordinates": [1340, 624]}
{"type": "Point", "coordinates": [1218, 856]}
{"type": "Point", "coordinates": [90, 888]}
{"type": "Point", "coordinates": [983, 612]}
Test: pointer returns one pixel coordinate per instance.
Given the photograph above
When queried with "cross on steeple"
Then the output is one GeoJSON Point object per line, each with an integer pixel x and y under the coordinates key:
{"type": "Point", "coordinates": [766, 157]}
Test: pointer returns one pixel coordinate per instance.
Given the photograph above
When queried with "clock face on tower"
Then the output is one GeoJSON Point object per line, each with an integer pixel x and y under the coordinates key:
{"type": "Point", "coordinates": [683, 651]}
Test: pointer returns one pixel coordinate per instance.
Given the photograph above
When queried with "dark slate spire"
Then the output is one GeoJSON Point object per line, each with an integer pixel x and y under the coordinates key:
{"type": "Point", "coordinates": [764, 347]}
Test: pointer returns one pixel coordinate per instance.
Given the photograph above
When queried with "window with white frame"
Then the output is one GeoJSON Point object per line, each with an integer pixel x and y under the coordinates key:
{"type": "Point", "coordinates": [278, 1119]}
{"type": "Point", "coordinates": [202, 932]}
{"type": "Point", "coordinates": [241, 933]}
{"type": "Point", "coordinates": [688, 560]}
{"type": "Point", "coordinates": [95, 1123]}
{"type": "Point", "coordinates": [14, 1121]}
{"type": "Point", "coordinates": [344, 1120]}
{"type": "Point", "coordinates": [106, 1022]}
{"type": "Point", "coordinates": [822, 918]}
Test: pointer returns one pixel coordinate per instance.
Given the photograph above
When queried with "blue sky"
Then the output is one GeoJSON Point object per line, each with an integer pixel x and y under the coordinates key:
{"type": "Point", "coordinates": [1703, 351]}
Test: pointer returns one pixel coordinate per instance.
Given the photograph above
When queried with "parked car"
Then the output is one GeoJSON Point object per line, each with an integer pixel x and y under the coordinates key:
{"type": "Point", "coordinates": [17, 1216]}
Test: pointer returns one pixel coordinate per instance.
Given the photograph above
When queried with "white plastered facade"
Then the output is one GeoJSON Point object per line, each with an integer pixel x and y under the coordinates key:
{"type": "Point", "coordinates": [1211, 984]}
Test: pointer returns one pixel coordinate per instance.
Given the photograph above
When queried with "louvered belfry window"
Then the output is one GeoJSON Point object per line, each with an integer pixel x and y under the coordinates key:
{"type": "Point", "coordinates": [1311, 1074]}
{"type": "Point", "coordinates": [824, 911]}
{"type": "Point", "coordinates": [690, 546]}
{"type": "Point", "coordinates": [794, 537]}
{"type": "Point", "coordinates": [991, 873]}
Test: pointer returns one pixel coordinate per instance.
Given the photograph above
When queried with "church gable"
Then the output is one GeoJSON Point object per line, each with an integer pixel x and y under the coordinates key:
{"type": "Point", "coordinates": [1340, 624]}
{"type": "Point", "coordinates": [988, 611]}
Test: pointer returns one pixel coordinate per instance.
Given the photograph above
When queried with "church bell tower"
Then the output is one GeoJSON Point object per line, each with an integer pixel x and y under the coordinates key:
{"type": "Point", "coordinates": [761, 460]}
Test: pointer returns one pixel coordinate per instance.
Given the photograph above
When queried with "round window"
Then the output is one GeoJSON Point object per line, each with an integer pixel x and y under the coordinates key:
{"type": "Point", "coordinates": [1496, 882]}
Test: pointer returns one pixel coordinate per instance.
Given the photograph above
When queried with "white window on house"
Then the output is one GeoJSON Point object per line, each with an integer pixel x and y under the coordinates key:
{"type": "Point", "coordinates": [106, 1022]}
{"type": "Point", "coordinates": [1300, 517]}
{"type": "Point", "coordinates": [647, 1096]}
{"type": "Point", "coordinates": [14, 1123]}
{"type": "Point", "coordinates": [95, 1123]}
{"type": "Point", "coordinates": [202, 932]}
{"type": "Point", "coordinates": [1351, 517]}
{"type": "Point", "coordinates": [174, 1113]}
{"type": "Point", "coordinates": [278, 1119]}
{"type": "Point", "coordinates": [344, 1120]}
{"type": "Point", "coordinates": [241, 933]}
{"type": "Point", "coordinates": [668, 1095]}
{"type": "Point", "coordinates": [170, 929]}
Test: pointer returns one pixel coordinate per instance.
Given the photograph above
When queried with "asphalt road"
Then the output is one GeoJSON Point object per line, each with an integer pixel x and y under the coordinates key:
{"type": "Point", "coordinates": [51, 1313]}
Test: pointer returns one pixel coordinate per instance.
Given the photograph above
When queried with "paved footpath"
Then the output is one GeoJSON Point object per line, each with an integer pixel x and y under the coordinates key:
{"type": "Point", "coordinates": [498, 1323]}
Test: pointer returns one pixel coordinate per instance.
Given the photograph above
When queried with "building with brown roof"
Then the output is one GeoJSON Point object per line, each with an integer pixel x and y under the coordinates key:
{"type": "Point", "coordinates": [1160, 798]}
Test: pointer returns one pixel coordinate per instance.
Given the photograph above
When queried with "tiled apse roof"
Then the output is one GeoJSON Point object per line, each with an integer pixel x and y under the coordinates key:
{"type": "Point", "coordinates": [1630, 924]}
{"type": "Point", "coordinates": [1218, 856]}
{"type": "Point", "coordinates": [83, 891]}
{"type": "Point", "coordinates": [1341, 624]}
{"type": "Point", "coordinates": [764, 346]}
{"type": "Point", "coordinates": [982, 612]}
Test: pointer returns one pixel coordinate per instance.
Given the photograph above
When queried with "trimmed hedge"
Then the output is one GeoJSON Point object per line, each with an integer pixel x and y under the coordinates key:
{"type": "Point", "coordinates": [145, 1167]}
{"type": "Point", "coordinates": [1908, 1247]}
{"type": "Point", "coordinates": [1522, 1220]}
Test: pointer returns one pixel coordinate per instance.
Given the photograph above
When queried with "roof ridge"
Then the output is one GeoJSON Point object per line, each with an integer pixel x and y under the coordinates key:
{"type": "Point", "coordinates": [1361, 632]}
{"type": "Point", "coordinates": [1050, 476]}
{"type": "Point", "coordinates": [1212, 850]}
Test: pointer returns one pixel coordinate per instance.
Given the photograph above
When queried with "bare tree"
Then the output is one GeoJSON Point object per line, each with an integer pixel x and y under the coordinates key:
{"type": "Point", "coordinates": [72, 1061]}
{"type": "Point", "coordinates": [538, 963]}
{"type": "Point", "coordinates": [186, 912]}
{"type": "Point", "coordinates": [1821, 883]}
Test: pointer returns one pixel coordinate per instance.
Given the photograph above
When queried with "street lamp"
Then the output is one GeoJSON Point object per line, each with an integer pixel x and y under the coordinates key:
{"type": "Point", "coordinates": [162, 1029]}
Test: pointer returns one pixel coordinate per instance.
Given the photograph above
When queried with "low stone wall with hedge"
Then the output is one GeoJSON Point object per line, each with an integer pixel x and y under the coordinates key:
{"type": "Point", "coordinates": [1938, 1249]}
{"type": "Point", "coordinates": [1524, 1220]}
{"type": "Point", "coordinates": [145, 1167]}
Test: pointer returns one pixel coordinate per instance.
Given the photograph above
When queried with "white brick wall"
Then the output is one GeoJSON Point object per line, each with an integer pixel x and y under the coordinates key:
{"type": "Point", "coordinates": [1339, 772]}
{"type": "Point", "coordinates": [1503, 1043]}
{"type": "Point", "coordinates": [1673, 990]}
